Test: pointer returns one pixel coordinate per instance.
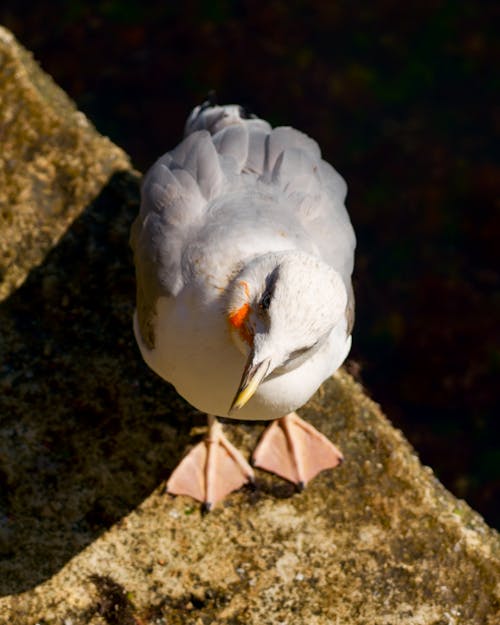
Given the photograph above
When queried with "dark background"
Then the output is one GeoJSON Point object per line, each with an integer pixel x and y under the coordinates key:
{"type": "Point", "coordinates": [402, 98]}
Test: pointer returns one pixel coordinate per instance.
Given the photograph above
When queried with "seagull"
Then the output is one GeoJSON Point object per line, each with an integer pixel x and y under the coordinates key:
{"type": "Point", "coordinates": [244, 252]}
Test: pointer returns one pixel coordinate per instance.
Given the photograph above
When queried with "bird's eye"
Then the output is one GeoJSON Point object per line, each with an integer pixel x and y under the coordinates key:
{"type": "Point", "coordinates": [265, 301]}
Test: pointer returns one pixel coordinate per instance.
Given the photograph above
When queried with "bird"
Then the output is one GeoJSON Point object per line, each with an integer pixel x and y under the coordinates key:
{"type": "Point", "coordinates": [244, 252]}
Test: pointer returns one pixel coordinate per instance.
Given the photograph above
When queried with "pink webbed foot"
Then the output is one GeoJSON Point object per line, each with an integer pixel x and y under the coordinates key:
{"type": "Point", "coordinates": [295, 450]}
{"type": "Point", "coordinates": [211, 470]}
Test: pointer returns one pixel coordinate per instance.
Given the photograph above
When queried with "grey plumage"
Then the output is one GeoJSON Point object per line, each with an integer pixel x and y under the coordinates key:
{"type": "Point", "coordinates": [274, 182]}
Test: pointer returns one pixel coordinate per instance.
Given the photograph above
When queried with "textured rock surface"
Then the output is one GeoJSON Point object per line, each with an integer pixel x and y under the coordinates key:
{"type": "Point", "coordinates": [52, 162]}
{"type": "Point", "coordinates": [88, 434]}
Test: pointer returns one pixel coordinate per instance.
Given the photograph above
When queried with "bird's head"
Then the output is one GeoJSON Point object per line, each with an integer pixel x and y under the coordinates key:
{"type": "Point", "coordinates": [281, 309]}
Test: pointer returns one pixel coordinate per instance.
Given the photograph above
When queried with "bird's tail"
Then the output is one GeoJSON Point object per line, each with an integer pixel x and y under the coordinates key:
{"type": "Point", "coordinates": [213, 117]}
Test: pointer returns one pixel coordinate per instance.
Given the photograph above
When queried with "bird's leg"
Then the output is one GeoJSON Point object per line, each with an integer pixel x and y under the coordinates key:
{"type": "Point", "coordinates": [211, 470]}
{"type": "Point", "coordinates": [295, 450]}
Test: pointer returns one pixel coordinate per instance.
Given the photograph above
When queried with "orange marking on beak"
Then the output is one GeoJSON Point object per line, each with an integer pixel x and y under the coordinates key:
{"type": "Point", "coordinates": [237, 317]}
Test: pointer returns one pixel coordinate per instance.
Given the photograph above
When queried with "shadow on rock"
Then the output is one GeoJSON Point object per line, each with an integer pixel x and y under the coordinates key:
{"type": "Point", "coordinates": [86, 430]}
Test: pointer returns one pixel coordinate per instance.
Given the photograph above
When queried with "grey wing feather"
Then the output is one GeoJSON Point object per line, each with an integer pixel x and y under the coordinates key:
{"type": "Point", "coordinates": [212, 118]}
{"type": "Point", "coordinates": [317, 193]}
{"type": "Point", "coordinates": [284, 138]}
{"type": "Point", "coordinates": [174, 194]}
{"type": "Point", "coordinates": [256, 157]}
{"type": "Point", "coordinates": [203, 164]}
{"type": "Point", "coordinates": [232, 143]}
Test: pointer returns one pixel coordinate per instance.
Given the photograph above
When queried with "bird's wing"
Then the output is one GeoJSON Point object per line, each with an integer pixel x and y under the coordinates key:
{"type": "Point", "coordinates": [226, 149]}
{"type": "Point", "coordinates": [315, 191]}
{"type": "Point", "coordinates": [175, 193]}
{"type": "Point", "coordinates": [287, 159]}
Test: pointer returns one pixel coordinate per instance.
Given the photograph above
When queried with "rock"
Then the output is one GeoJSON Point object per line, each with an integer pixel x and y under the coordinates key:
{"type": "Point", "coordinates": [88, 435]}
{"type": "Point", "coordinates": [52, 163]}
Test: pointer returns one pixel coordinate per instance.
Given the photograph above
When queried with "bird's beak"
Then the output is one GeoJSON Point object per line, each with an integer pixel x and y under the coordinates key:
{"type": "Point", "coordinates": [253, 375]}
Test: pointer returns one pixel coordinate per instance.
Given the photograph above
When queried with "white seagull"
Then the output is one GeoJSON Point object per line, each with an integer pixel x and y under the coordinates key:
{"type": "Point", "coordinates": [244, 251]}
